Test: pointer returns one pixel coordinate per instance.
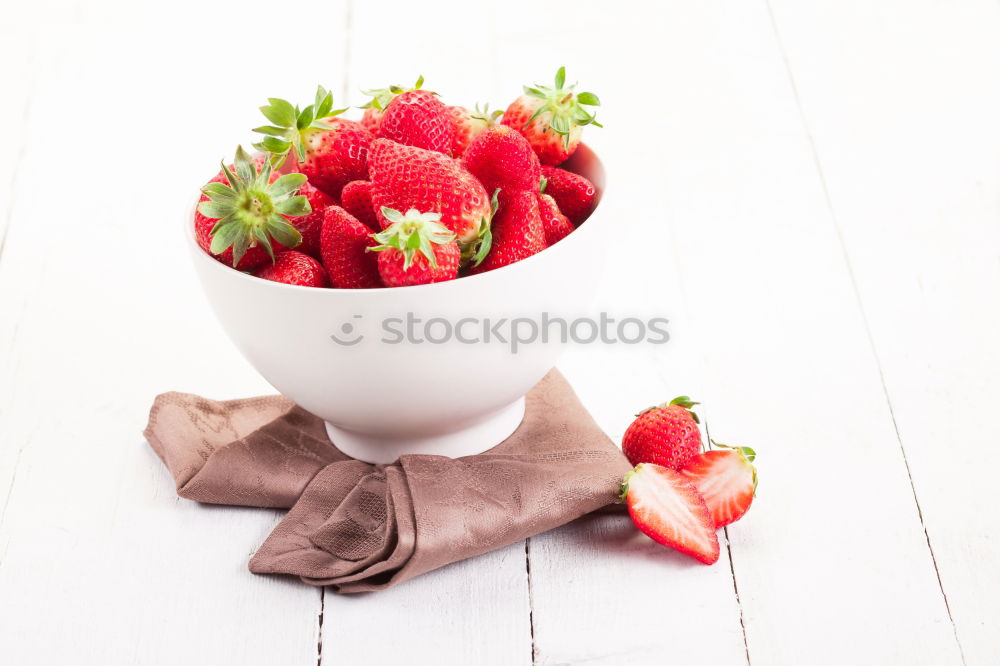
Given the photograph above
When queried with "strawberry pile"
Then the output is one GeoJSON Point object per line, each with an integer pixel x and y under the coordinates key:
{"type": "Point", "coordinates": [678, 495]}
{"type": "Point", "coordinates": [415, 192]}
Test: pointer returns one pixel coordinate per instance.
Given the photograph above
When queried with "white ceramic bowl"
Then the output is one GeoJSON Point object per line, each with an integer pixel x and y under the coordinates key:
{"type": "Point", "coordinates": [382, 399]}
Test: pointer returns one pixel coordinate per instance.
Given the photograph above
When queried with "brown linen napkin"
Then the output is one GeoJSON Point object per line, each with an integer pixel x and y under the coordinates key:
{"type": "Point", "coordinates": [361, 527]}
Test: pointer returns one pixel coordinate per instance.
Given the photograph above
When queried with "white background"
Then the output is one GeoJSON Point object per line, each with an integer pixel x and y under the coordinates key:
{"type": "Point", "coordinates": [808, 190]}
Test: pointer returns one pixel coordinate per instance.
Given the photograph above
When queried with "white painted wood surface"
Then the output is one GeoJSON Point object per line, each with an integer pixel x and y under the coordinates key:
{"type": "Point", "coordinates": [822, 181]}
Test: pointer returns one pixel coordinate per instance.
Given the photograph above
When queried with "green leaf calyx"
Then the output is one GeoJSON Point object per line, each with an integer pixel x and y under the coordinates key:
{"type": "Point", "coordinates": [680, 401]}
{"type": "Point", "coordinates": [485, 116]}
{"type": "Point", "coordinates": [380, 97]}
{"type": "Point", "coordinates": [289, 124]}
{"type": "Point", "coordinates": [564, 106]}
{"type": "Point", "coordinates": [250, 210]}
{"type": "Point", "coordinates": [624, 487]}
{"type": "Point", "coordinates": [476, 250]}
{"type": "Point", "coordinates": [411, 233]}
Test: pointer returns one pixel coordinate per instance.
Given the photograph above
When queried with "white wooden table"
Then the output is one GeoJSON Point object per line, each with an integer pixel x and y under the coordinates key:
{"type": "Point", "coordinates": [809, 191]}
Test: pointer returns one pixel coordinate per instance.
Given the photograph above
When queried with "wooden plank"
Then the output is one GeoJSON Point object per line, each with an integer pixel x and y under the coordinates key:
{"type": "Point", "coordinates": [901, 100]}
{"type": "Point", "coordinates": [18, 47]}
{"type": "Point", "coordinates": [602, 593]}
{"type": "Point", "coordinates": [471, 612]}
{"type": "Point", "coordinates": [99, 561]}
{"type": "Point", "coordinates": [773, 311]}
{"type": "Point", "coordinates": [475, 611]}
{"type": "Point", "coordinates": [457, 60]}
{"type": "Point", "coordinates": [17, 50]}
{"type": "Point", "coordinates": [834, 543]}
{"type": "Point", "coordinates": [80, 557]}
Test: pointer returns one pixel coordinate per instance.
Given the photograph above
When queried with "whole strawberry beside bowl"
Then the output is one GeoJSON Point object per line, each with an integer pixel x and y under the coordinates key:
{"type": "Point", "coordinates": [678, 495]}
{"type": "Point", "coordinates": [666, 435]}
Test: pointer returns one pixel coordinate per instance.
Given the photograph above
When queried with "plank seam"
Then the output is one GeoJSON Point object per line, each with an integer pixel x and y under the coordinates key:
{"type": "Point", "coordinates": [319, 627]}
{"type": "Point", "coordinates": [736, 591]}
{"type": "Point", "coordinates": [19, 157]}
{"type": "Point", "coordinates": [10, 491]}
{"type": "Point", "coordinates": [861, 307]}
{"type": "Point", "coordinates": [708, 435]}
{"type": "Point", "coordinates": [348, 18]}
{"type": "Point", "coordinates": [732, 566]}
{"type": "Point", "coordinates": [531, 600]}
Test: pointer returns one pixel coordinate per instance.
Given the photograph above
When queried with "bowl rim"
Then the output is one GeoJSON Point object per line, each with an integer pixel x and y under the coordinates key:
{"type": "Point", "coordinates": [562, 246]}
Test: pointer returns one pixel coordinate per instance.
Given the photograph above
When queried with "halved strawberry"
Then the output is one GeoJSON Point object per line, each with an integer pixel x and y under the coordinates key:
{"type": "Point", "coordinates": [726, 479]}
{"type": "Point", "coordinates": [670, 511]}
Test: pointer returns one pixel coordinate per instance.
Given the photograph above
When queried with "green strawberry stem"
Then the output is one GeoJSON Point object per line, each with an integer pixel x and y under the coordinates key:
{"type": "Point", "coordinates": [477, 249]}
{"type": "Point", "coordinates": [681, 401]}
{"type": "Point", "coordinates": [380, 97]}
{"type": "Point", "coordinates": [250, 210]}
{"type": "Point", "coordinates": [411, 233]}
{"type": "Point", "coordinates": [684, 401]}
{"type": "Point", "coordinates": [485, 115]}
{"type": "Point", "coordinates": [565, 106]}
{"type": "Point", "coordinates": [290, 125]}
{"type": "Point", "coordinates": [623, 488]}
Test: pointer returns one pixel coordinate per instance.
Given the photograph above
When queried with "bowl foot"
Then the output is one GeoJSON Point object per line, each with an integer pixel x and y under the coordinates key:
{"type": "Point", "coordinates": [478, 437]}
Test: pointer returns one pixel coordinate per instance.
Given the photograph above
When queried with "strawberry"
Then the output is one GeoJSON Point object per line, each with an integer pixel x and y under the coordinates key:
{"type": "Point", "coordinates": [552, 119]}
{"type": "Point", "coordinates": [575, 195]}
{"type": "Point", "coordinates": [501, 158]}
{"type": "Point", "coordinates": [667, 435]}
{"type": "Point", "coordinates": [311, 224]}
{"type": "Point", "coordinates": [670, 511]}
{"type": "Point", "coordinates": [254, 257]}
{"type": "Point", "coordinates": [416, 249]}
{"type": "Point", "coordinates": [556, 225]}
{"type": "Point", "coordinates": [371, 118]}
{"type": "Point", "coordinates": [405, 177]}
{"type": "Point", "coordinates": [516, 232]}
{"type": "Point", "coordinates": [295, 268]}
{"type": "Point", "coordinates": [726, 479]}
{"type": "Point", "coordinates": [330, 151]}
{"type": "Point", "coordinates": [356, 198]}
{"type": "Point", "coordinates": [418, 118]}
{"type": "Point", "coordinates": [380, 99]}
{"type": "Point", "coordinates": [243, 221]}
{"type": "Point", "coordinates": [468, 125]}
{"type": "Point", "coordinates": [344, 246]}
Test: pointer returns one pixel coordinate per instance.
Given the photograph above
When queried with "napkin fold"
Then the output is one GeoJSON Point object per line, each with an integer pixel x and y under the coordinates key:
{"type": "Point", "coordinates": [360, 527]}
